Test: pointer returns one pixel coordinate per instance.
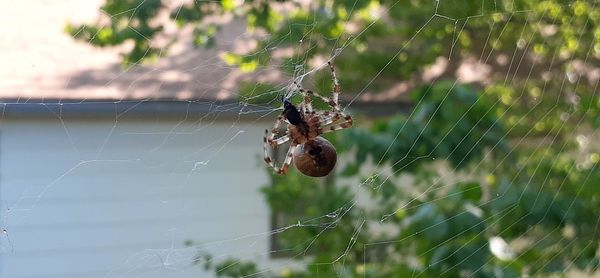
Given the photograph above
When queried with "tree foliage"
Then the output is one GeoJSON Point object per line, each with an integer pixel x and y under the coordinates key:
{"type": "Point", "coordinates": [520, 140]}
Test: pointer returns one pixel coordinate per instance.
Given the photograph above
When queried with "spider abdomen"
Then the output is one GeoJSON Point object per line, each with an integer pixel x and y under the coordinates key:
{"type": "Point", "coordinates": [315, 158]}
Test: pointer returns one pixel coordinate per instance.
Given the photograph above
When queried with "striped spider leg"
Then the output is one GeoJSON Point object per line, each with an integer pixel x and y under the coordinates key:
{"type": "Point", "coordinates": [333, 101]}
{"type": "Point", "coordinates": [306, 105]}
{"type": "Point", "coordinates": [331, 119]}
{"type": "Point", "coordinates": [272, 142]}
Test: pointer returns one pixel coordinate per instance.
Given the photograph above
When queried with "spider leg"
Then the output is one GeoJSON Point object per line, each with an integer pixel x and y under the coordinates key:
{"type": "Point", "coordinates": [269, 139]}
{"type": "Point", "coordinates": [275, 128]}
{"type": "Point", "coordinates": [328, 117]}
{"type": "Point", "coordinates": [266, 143]}
{"type": "Point", "coordinates": [337, 113]}
{"type": "Point", "coordinates": [267, 157]}
{"type": "Point", "coordinates": [278, 141]}
{"type": "Point", "coordinates": [306, 105]}
{"type": "Point", "coordinates": [336, 125]}
{"type": "Point", "coordinates": [327, 121]}
{"type": "Point", "coordinates": [333, 100]}
{"type": "Point", "coordinates": [288, 158]}
{"type": "Point", "coordinates": [336, 85]}
{"type": "Point", "coordinates": [330, 101]}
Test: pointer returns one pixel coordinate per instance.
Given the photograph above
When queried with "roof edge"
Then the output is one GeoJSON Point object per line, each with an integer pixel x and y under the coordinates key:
{"type": "Point", "coordinates": [163, 109]}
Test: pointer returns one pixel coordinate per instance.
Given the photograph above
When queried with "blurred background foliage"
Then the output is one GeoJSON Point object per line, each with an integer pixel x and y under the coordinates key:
{"type": "Point", "coordinates": [495, 178]}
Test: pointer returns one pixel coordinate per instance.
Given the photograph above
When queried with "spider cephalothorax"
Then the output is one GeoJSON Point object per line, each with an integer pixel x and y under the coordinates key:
{"type": "Point", "coordinates": [312, 154]}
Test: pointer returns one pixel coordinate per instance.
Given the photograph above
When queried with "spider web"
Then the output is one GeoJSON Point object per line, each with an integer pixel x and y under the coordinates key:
{"type": "Point", "coordinates": [143, 184]}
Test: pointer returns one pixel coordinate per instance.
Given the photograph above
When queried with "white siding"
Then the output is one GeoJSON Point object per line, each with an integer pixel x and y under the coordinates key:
{"type": "Point", "coordinates": [118, 199]}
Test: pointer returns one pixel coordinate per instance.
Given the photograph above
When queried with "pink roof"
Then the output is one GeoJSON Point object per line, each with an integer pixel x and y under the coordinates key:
{"type": "Point", "coordinates": [40, 61]}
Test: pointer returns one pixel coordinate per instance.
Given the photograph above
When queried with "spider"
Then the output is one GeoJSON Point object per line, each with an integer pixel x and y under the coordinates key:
{"type": "Point", "coordinates": [312, 154]}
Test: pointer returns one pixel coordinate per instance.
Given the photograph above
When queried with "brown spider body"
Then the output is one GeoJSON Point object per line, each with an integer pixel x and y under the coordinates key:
{"type": "Point", "coordinates": [313, 155]}
{"type": "Point", "coordinates": [307, 130]}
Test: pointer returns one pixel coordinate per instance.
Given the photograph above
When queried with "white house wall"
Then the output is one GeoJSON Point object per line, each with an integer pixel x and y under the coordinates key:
{"type": "Point", "coordinates": [119, 198]}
